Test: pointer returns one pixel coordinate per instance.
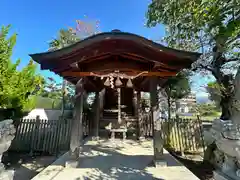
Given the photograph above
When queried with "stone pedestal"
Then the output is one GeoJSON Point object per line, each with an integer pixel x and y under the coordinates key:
{"type": "Point", "coordinates": [159, 163]}
{"type": "Point", "coordinates": [141, 138]}
{"type": "Point", "coordinates": [7, 134]}
{"type": "Point", "coordinates": [95, 138]}
{"type": "Point", "coordinates": [71, 164]}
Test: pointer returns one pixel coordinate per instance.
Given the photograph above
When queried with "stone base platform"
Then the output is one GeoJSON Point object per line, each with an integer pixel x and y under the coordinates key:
{"type": "Point", "coordinates": [220, 176]}
{"type": "Point", "coordinates": [106, 159]}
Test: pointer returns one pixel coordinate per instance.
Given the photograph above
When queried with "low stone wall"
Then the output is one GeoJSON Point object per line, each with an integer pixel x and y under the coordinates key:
{"type": "Point", "coordinates": [7, 134]}
{"type": "Point", "coordinates": [223, 141]}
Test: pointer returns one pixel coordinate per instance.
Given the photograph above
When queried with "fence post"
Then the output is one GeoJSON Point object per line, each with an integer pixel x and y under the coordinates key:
{"type": "Point", "coordinates": [201, 132]}
{"type": "Point", "coordinates": [38, 129]}
{"type": "Point", "coordinates": [58, 134]}
{"type": "Point", "coordinates": [33, 134]}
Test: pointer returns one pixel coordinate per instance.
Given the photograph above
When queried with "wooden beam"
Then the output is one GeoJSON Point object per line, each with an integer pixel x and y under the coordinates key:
{"type": "Point", "coordinates": [82, 74]}
{"type": "Point", "coordinates": [140, 119]}
{"type": "Point", "coordinates": [114, 63]}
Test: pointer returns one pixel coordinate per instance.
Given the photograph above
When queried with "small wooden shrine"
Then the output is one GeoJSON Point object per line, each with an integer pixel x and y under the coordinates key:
{"type": "Point", "coordinates": [117, 66]}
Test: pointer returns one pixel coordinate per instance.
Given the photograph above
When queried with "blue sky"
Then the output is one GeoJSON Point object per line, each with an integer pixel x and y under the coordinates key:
{"type": "Point", "coordinates": [37, 22]}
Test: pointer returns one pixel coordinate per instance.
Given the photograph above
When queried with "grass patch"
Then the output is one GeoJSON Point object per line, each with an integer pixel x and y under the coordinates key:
{"type": "Point", "coordinates": [203, 118]}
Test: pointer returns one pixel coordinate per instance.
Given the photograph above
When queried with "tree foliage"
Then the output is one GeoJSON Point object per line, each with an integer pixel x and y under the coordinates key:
{"type": "Point", "coordinates": [18, 89]}
{"type": "Point", "coordinates": [55, 91]}
{"type": "Point", "coordinates": [85, 28]}
{"type": "Point", "coordinates": [209, 26]}
{"type": "Point", "coordinates": [179, 86]}
{"type": "Point", "coordinates": [206, 110]}
{"type": "Point", "coordinates": [214, 92]}
{"type": "Point", "coordinates": [176, 88]}
{"type": "Point", "coordinates": [66, 37]}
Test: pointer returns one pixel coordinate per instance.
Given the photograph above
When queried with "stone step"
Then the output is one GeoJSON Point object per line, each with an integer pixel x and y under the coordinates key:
{"type": "Point", "coordinates": [131, 123]}
{"type": "Point", "coordinates": [106, 133]}
{"type": "Point", "coordinates": [116, 115]}
{"type": "Point", "coordinates": [109, 118]}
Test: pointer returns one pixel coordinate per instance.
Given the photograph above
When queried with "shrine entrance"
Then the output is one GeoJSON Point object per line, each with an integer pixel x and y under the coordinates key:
{"type": "Point", "coordinates": [111, 99]}
{"type": "Point", "coordinates": [117, 67]}
{"type": "Point", "coordinates": [126, 99]}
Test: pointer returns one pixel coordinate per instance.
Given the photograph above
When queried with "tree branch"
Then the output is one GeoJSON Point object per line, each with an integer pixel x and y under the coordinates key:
{"type": "Point", "coordinates": [200, 66]}
{"type": "Point", "coordinates": [232, 59]}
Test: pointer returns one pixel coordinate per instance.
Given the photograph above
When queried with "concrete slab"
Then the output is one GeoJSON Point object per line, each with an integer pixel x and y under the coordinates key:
{"type": "Point", "coordinates": [108, 160]}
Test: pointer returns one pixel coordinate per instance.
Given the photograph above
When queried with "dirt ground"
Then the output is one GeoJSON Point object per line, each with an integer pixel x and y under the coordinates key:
{"type": "Point", "coordinates": [194, 163]}
{"type": "Point", "coordinates": [25, 165]}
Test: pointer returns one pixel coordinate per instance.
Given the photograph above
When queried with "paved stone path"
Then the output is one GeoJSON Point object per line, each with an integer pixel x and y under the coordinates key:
{"type": "Point", "coordinates": [106, 160]}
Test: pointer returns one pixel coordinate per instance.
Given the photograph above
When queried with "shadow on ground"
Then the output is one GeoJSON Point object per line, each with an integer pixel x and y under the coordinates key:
{"type": "Point", "coordinates": [201, 169]}
{"type": "Point", "coordinates": [112, 162]}
{"type": "Point", "coordinates": [24, 165]}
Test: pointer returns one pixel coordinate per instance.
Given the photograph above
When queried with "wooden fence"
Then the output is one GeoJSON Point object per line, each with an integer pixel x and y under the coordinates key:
{"type": "Point", "coordinates": [146, 120]}
{"type": "Point", "coordinates": [52, 136]}
{"type": "Point", "coordinates": [183, 135]}
{"type": "Point", "coordinates": [47, 136]}
{"type": "Point", "coordinates": [180, 135]}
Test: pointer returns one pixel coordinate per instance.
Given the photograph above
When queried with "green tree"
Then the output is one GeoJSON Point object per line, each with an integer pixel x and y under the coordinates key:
{"type": "Point", "coordinates": [18, 89]}
{"type": "Point", "coordinates": [207, 110]}
{"type": "Point", "coordinates": [209, 26]}
{"type": "Point", "coordinates": [65, 38]}
{"type": "Point", "coordinates": [214, 92]}
{"type": "Point", "coordinates": [55, 92]}
{"type": "Point", "coordinates": [176, 88]}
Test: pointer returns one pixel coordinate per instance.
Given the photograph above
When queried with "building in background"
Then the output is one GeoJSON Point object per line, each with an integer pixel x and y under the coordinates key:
{"type": "Point", "coordinates": [185, 105]}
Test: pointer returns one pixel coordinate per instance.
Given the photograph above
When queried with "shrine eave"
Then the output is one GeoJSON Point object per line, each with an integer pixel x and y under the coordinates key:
{"type": "Point", "coordinates": [116, 43]}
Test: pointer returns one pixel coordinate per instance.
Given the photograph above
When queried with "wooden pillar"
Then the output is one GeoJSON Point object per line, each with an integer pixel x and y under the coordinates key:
{"type": "Point", "coordinates": [157, 139]}
{"type": "Point", "coordinates": [135, 103]}
{"type": "Point", "coordinates": [141, 134]}
{"type": "Point", "coordinates": [77, 126]}
{"type": "Point", "coordinates": [96, 117]}
{"type": "Point", "coordinates": [102, 101]}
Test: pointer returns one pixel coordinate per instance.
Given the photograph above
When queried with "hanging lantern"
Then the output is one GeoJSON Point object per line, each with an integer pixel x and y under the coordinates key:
{"type": "Point", "coordinates": [118, 82]}
{"type": "Point", "coordinates": [107, 82]}
{"type": "Point", "coordinates": [129, 83]}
